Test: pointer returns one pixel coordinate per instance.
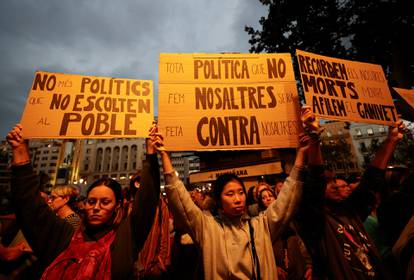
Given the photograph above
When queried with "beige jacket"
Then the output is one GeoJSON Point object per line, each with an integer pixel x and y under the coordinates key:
{"type": "Point", "coordinates": [225, 243]}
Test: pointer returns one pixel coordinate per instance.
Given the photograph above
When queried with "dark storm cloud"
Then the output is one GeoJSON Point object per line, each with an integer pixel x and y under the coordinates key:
{"type": "Point", "coordinates": [109, 38]}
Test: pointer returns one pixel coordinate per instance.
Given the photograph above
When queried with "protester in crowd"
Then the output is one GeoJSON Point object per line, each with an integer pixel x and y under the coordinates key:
{"type": "Point", "coordinates": [233, 245]}
{"type": "Point", "coordinates": [265, 198]}
{"type": "Point", "coordinates": [63, 200]}
{"type": "Point", "coordinates": [338, 187]}
{"type": "Point", "coordinates": [105, 246]}
{"type": "Point", "coordinates": [292, 258]}
{"type": "Point", "coordinates": [331, 226]}
{"type": "Point", "coordinates": [253, 210]}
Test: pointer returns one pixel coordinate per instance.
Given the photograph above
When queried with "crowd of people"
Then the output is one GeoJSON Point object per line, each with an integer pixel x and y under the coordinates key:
{"type": "Point", "coordinates": [310, 225]}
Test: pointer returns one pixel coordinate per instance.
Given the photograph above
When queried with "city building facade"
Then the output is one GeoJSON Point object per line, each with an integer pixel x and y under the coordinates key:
{"type": "Point", "coordinates": [338, 148]}
{"type": "Point", "coordinates": [366, 139]}
{"type": "Point", "coordinates": [118, 158]}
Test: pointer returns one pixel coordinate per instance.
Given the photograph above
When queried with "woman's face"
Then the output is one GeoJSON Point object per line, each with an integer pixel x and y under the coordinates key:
{"type": "Point", "coordinates": [56, 201]}
{"type": "Point", "coordinates": [259, 188]}
{"type": "Point", "coordinates": [337, 190]}
{"type": "Point", "coordinates": [233, 199]}
{"type": "Point", "coordinates": [267, 198]}
{"type": "Point", "coordinates": [100, 205]}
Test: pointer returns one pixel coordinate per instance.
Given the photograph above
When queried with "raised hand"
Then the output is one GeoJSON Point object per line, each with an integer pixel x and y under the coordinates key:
{"type": "Point", "coordinates": [20, 150]}
{"type": "Point", "coordinates": [155, 140]}
{"type": "Point", "coordinates": [15, 136]}
{"type": "Point", "coordinates": [396, 132]}
{"type": "Point", "coordinates": [309, 121]}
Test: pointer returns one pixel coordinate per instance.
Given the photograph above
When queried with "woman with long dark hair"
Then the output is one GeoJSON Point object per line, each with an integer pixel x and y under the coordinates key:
{"type": "Point", "coordinates": [233, 245]}
{"type": "Point", "coordinates": [105, 246]}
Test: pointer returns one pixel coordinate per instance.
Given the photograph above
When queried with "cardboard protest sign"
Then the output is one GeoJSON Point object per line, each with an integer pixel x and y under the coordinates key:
{"type": "Point", "coordinates": [407, 94]}
{"type": "Point", "coordinates": [227, 101]}
{"type": "Point", "coordinates": [74, 106]}
{"type": "Point", "coordinates": [346, 90]}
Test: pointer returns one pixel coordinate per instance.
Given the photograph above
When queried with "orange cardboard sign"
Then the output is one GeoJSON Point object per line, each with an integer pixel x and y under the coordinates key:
{"type": "Point", "coordinates": [75, 107]}
{"type": "Point", "coordinates": [228, 101]}
{"type": "Point", "coordinates": [346, 90]}
{"type": "Point", "coordinates": [407, 94]}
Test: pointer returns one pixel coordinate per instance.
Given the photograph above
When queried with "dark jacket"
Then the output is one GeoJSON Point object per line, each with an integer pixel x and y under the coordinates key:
{"type": "Point", "coordinates": [333, 231]}
{"type": "Point", "coordinates": [48, 235]}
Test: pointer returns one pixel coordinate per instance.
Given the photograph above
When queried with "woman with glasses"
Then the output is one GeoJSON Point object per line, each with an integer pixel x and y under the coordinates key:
{"type": "Point", "coordinates": [63, 201]}
{"type": "Point", "coordinates": [106, 244]}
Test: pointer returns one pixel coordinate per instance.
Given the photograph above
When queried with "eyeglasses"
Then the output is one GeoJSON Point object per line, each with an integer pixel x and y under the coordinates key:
{"type": "Point", "coordinates": [53, 197]}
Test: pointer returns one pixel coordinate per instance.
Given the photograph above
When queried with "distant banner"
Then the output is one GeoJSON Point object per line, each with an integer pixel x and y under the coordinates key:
{"type": "Point", "coordinates": [346, 90]}
{"type": "Point", "coordinates": [242, 172]}
{"type": "Point", "coordinates": [227, 101]}
{"type": "Point", "coordinates": [407, 94]}
{"type": "Point", "coordinates": [76, 107]}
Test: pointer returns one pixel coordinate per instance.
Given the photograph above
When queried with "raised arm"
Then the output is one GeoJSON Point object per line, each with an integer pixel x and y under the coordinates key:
{"type": "Point", "coordinates": [314, 188]}
{"type": "Point", "coordinates": [310, 218]}
{"type": "Point", "coordinates": [384, 153]}
{"type": "Point", "coordinates": [373, 179]}
{"type": "Point", "coordinates": [186, 213]}
{"type": "Point", "coordinates": [147, 196]}
{"type": "Point", "coordinates": [46, 233]}
{"type": "Point", "coordinates": [280, 212]}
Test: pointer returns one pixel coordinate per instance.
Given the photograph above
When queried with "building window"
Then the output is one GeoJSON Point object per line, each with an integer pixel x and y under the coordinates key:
{"type": "Point", "coordinates": [381, 129]}
{"type": "Point", "coordinates": [358, 132]}
{"type": "Point", "coordinates": [370, 131]}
